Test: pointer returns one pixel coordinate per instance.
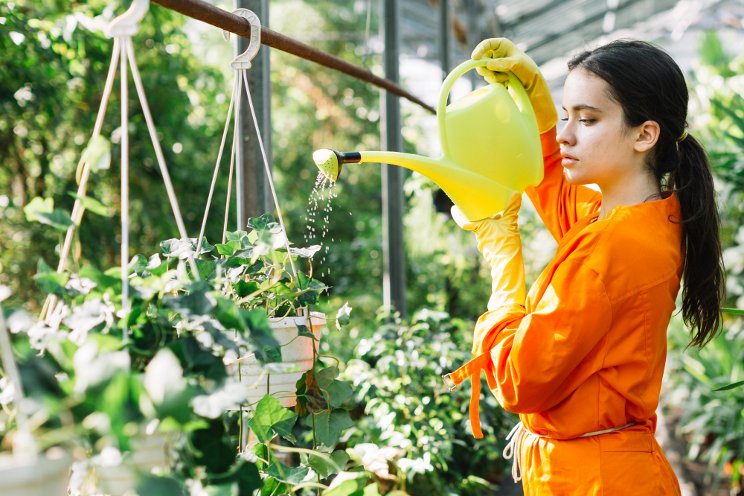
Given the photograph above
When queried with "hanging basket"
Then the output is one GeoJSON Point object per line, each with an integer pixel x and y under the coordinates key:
{"type": "Point", "coordinates": [44, 476]}
{"type": "Point", "coordinates": [298, 351]}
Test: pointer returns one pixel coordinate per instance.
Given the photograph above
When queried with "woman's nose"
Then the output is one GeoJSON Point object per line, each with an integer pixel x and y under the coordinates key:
{"type": "Point", "coordinates": [565, 135]}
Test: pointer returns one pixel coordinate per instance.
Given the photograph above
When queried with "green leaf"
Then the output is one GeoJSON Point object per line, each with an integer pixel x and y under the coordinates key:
{"type": "Point", "coordinates": [326, 376]}
{"type": "Point", "coordinates": [261, 338]}
{"type": "Point", "coordinates": [38, 206]}
{"type": "Point", "coordinates": [212, 448]}
{"type": "Point", "coordinates": [271, 418]}
{"type": "Point", "coordinates": [206, 268]}
{"type": "Point", "coordinates": [98, 153]}
{"type": "Point", "coordinates": [329, 427]}
{"type": "Point", "coordinates": [102, 280]}
{"type": "Point", "coordinates": [240, 237]}
{"type": "Point", "coordinates": [183, 248]}
{"type": "Point", "coordinates": [372, 490]}
{"type": "Point", "coordinates": [273, 487]}
{"type": "Point", "coordinates": [163, 377]}
{"type": "Point", "coordinates": [227, 313]}
{"type": "Point", "coordinates": [95, 206]}
{"type": "Point", "coordinates": [262, 223]}
{"type": "Point", "coordinates": [733, 385]}
{"type": "Point", "coordinates": [352, 485]}
{"type": "Point", "coordinates": [49, 281]}
{"type": "Point", "coordinates": [197, 301]}
{"type": "Point", "coordinates": [248, 479]}
{"type": "Point", "coordinates": [227, 249]}
{"type": "Point", "coordinates": [198, 361]}
{"type": "Point", "coordinates": [733, 311]}
{"type": "Point", "coordinates": [343, 315]}
{"type": "Point", "coordinates": [244, 288]}
{"type": "Point", "coordinates": [205, 247]}
{"type": "Point", "coordinates": [283, 473]}
{"type": "Point", "coordinates": [162, 486]}
{"type": "Point", "coordinates": [339, 392]}
{"type": "Point", "coordinates": [324, 467]}
{"type": "Point", "coordinates": [42, 210]}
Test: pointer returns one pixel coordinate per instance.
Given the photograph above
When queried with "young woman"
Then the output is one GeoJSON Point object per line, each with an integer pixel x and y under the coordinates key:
{"type": "Point", "coordinates": [581, 357]}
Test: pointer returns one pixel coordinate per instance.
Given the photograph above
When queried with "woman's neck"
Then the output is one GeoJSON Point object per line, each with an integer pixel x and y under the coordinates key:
{"type": "Point", "coordinates": [629, 192]}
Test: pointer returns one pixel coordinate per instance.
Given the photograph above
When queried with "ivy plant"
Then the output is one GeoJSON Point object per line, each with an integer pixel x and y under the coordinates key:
{"type": "Point", "coordinates": [413, 434]}
{"type": "Point", "coordinates": [162, 363]}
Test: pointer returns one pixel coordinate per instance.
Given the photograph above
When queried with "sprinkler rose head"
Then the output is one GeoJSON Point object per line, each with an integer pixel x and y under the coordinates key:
{"type": "Point", "coordinates": [328, 162]}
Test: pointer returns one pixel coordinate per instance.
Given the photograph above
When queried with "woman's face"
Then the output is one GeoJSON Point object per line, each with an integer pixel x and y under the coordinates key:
{"type": "Point", "coordinates": [596, 146]}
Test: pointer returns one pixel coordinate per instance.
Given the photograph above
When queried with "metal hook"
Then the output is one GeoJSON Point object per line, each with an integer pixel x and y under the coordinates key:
{"type": "Point", "coordinates": [127, 24]}
{"type": "Point", "coordinates": [243, 61]}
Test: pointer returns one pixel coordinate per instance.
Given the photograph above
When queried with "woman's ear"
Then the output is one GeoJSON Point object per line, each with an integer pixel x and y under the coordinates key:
{"type": "Point", "coordinates": [648, 135]}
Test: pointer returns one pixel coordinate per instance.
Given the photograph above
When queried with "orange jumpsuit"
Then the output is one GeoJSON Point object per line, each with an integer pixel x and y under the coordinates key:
{"type": "Point", "coordinates": [586, 353]}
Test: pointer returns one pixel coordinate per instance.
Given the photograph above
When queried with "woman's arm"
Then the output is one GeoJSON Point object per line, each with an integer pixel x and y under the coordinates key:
{"type": "Point", "coordinates": [539, 359]}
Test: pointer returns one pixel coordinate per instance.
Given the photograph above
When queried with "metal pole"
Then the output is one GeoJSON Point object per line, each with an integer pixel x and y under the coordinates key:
{"type": "Point", "coordinates": [474, 29]}
{"type": "Point", "coordinates": [444, 36]}
{"type": "Point", "coordinates": [253, 194]}
{"type": "Point", "coordinates": [217, 17]}
{"type": "Point", "coordinates": [394, 273]}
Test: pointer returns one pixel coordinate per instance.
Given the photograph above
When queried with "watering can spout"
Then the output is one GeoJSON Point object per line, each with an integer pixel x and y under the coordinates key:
{"type": "Point", "coordinates": [490, 143]}
{"type": "Point", "coordinates": [476, 195]}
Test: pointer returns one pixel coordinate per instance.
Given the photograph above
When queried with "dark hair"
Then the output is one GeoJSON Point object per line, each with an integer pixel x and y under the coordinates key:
{"type": "Point", "coordinates": [649, 85]}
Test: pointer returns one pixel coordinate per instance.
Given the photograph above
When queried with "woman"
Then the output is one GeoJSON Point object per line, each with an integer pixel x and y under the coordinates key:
{"type": "Point", "coordinates": [582, 356]}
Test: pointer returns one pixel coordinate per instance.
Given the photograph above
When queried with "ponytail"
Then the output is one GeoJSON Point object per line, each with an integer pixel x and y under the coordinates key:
{"type": "Point", "coordinates": [703, 272]}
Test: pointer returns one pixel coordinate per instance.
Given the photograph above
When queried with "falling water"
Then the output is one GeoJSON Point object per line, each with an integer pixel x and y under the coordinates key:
{"type": "Point", "coordinates": [320, 206]}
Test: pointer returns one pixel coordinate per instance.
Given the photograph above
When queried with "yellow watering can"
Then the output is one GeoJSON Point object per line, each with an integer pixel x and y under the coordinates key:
{"type": "Point", "coordinates": [490, 144]}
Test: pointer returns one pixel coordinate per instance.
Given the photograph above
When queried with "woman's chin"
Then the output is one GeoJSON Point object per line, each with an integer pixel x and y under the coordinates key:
{"type": "Point", "coordinates": [572, 177]}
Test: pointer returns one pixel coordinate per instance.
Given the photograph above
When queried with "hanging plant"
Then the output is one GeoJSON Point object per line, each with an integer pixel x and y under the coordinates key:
{"type": "Point", "coordinates": [164, 367]}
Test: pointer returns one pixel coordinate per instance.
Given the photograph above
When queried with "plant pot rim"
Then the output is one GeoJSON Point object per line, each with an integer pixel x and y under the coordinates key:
{"type": "Point", "coordinates": [317, 318]}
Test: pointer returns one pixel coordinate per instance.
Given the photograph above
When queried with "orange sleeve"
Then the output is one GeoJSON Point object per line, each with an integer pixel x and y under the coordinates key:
{"type": "Point", "coordinates": [539, 360]}
{"type": "Point", "coordinates": [559, 203]}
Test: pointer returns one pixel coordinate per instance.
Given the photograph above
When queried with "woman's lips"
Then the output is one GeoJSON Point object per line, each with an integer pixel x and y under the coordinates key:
{"type": "Point", "coordinates": [568, 159]}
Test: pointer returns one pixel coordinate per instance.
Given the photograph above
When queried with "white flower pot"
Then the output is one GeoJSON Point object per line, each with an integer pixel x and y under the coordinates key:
{"type": "Point", "coordinates": [297, 351]}
{"type": "Point", "coordinates": [44, 476]}
{"type": "Point", "coordinates": [148, 453]}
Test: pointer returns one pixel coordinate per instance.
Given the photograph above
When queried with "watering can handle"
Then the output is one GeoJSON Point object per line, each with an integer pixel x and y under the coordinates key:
{"type": "Point", "coordinates": [515, 85]}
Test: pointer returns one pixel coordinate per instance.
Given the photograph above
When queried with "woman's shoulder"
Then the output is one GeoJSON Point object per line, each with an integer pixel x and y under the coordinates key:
{"type": "Point", "coordinates": [635, 246]}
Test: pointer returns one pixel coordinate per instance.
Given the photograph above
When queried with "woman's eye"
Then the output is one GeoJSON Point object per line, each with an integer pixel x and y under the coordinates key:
{"type": "Point", "coordinates": [586, 121]}
{"type": "Point", "coordinates": [564, 119]}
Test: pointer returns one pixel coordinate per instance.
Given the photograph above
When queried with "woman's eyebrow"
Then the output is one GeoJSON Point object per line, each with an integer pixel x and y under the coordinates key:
{"type": "Point", "coordinates": [583, 106]}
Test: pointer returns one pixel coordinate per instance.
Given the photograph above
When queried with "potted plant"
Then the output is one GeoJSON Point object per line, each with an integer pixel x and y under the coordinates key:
{"type": "Point", "coordinates": [161, 371]}
{"type": "Point", "coordinates": [259, 270]}
{"type": "Point", "coordinates": [159, 367]}
{"type": "Point", "coordinates": [32, 463]}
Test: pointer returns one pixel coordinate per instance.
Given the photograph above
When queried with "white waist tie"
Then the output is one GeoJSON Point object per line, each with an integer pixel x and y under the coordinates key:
{"type": "Point", "coordinates": [514, 438]}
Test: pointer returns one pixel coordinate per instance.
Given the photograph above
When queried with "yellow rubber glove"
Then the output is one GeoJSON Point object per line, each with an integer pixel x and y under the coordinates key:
{"type": "Point", "coordinates": [499, 243]}
{"type": "Point", "coordinates": [508, 58]}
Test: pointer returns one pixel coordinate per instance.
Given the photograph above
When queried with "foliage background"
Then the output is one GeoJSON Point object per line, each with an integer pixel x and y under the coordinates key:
{"type": "Point", "coordinates": [55, 60]}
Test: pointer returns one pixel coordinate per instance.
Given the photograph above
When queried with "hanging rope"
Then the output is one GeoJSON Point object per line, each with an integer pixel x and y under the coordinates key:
{"type": "Point", "coordinates": [124, 185]}
{"type": "Point", "coordinates": [241, 64]}
{"type": "Point", "coordinates": [158, 151]}
{"type": "Point", "coordinates": [268, 172]}
{"type": "Point", "coordinates": [121, 30]}
{"type": "Point", "coordinates": [83, 164]}
{"type": "Point", "coordinates": [216, 172]}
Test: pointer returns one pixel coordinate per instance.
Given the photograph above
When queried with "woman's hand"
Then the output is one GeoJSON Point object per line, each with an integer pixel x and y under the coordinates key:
{"type": "Point", "coordinates": [499, 243]}
{"type": "Point", "coordinates": [508, 58]}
